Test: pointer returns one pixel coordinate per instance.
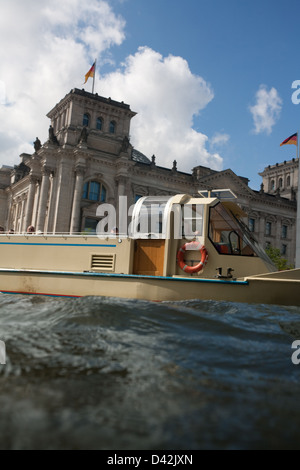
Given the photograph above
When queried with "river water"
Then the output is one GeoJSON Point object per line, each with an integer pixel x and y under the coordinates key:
{"type": "Point", "coordinates": [103, 373]}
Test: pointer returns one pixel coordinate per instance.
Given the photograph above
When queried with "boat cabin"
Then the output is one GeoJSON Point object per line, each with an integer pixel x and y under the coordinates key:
{"type": "Point", "coordinates": [169, 236]}
{"type": "Point", "coordinates": [172, 234]}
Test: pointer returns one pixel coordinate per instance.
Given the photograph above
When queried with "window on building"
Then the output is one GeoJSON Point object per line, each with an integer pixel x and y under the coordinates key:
{"type": "Point", "coordinates": [272, 185]}
{"type": "Point", "coordinates": [251, 225]}
{"type": "Point", "coordinates": [268, 228]}
{"type": "Point", "coordinates": [283, 249]}
{"type": "Point", "coordinates": [280, 182]}
{"type": "Point", "coordinates": [86, 120]}
{"type": "Point", "coordinates": [284, 231]}
{"type": "Point", "coordinates": [288, 181]}
{"type": "Point", "coordinates": [94, 191]}
{"type": "Point", "coordinates": [99, 124]}
{"type": "Point", "coordinates": [112, 127]}
{"type": "Point", "coordinates": [90, 225]}
{"type": "Point", "coordinates": [268, 245]}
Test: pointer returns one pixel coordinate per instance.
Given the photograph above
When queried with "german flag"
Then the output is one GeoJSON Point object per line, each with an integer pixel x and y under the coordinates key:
{"type": "Point", "coordinates": [90, 72]}
{"type": "Point", "coordinates": [290, 140]}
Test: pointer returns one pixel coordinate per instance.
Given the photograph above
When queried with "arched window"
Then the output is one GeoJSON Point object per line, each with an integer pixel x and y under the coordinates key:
{"type": "Point", "coordinates": [251, 224]}
{"type": "Point", "coordinates": [99, 124]}
{"type": "Point", "coordinates": [272, 185]}
{"type": "Point", "coordinates": [280, 182]}
{"type": "Point", "coordinates": [94, 191]}
{"type": "Point", "coordinates": [284, 231]}
{"type": "Point", "coordinates": [112, 127]}
{"type": "Point", "coordinates": [86, 120]}
{"type": "Point", "coordinates": [268, 228]}
{"type": "Point", "coordinates": [288, 181]}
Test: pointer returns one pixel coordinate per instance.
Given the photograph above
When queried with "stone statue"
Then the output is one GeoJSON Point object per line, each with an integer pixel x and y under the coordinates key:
{"type": "Point", "coordinates": [83, 135]}
{"type": "Point", "coordinates": [52, 137]}
{"type": "Point", "coordinates": [37, 144]}
{"type": "Point", "coordinates": [125, 144]}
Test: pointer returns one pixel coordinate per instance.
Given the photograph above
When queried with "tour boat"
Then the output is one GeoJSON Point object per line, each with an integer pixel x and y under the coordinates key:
{"type": "Point", "coordinates": [176, 248]}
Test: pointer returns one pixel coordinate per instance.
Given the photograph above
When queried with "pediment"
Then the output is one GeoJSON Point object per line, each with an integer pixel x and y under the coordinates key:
{"type": "Point", "coordinates": [226, 179]}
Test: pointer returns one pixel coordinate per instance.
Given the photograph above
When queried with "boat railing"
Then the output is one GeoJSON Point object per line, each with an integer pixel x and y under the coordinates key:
{"type": "Point", "coordinates": [60, 234]}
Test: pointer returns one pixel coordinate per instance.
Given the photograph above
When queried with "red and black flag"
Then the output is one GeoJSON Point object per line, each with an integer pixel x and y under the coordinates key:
{"type": "Point", "coordinates": [290, 140]}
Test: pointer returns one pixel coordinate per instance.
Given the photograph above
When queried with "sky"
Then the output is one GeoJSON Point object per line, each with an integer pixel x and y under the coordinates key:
{"type": "Point", "coordinates": [213, 82]}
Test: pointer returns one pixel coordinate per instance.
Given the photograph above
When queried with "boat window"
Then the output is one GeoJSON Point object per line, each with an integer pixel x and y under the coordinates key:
{"type": "Point", "coordinates": [149, 218]}
{"type": "Point", "coordinates": [227, 234]}
{"type": "Point", "coordinates": [192, 220]}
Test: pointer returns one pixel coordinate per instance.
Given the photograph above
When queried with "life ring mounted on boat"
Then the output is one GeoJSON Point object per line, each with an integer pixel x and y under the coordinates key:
{"type": "Point", "coordinates": [192, 246]}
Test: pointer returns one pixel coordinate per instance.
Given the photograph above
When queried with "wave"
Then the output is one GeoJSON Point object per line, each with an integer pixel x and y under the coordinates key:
{"type": "Point", "coordinates": [105, 373]}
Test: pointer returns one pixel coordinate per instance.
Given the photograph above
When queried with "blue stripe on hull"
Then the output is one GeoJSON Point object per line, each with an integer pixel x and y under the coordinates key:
{"type": "Point", "coordinates": [117, 275]}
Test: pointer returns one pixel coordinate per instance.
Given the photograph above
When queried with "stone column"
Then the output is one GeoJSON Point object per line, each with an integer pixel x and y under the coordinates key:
{"type": "Point", "coordinates": [75, 217]}
{"type": "Point", "coordinates": [42, 208]}
{"type": "Point", "coordinates": [64, 192]}
{"type": "Point", "coordinates": [16, 216]}
{"type": "Point", "coordinates": [278, 232]}
{"type": "Point", "coordinates": [262, 227]}
{"type": "Point", "coordinates": [9, 211]}
{"type": "Point", "coordinates": [22, 229]}
{"type": "Point", "coordinates": [121, 185]}
{"type": "Point", "coordinates": [122, 211]}
{"type": "Point", "coordinates": [30, 201]}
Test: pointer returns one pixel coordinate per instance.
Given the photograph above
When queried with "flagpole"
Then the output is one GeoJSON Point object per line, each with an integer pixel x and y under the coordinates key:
{"type": "Point", "coordinates": [94, 76]}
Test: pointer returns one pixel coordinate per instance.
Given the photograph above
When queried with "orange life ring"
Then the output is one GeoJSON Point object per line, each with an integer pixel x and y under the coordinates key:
{"type": "Point", "coordinates": [192, 246]}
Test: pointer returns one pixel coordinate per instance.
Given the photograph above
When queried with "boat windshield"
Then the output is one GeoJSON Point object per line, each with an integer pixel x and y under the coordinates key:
{"type": "Point", "coordinates": [231, 237]}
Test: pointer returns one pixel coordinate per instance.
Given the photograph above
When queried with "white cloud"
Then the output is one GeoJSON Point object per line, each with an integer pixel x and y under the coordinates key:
{"type": "Point", "coordinates": [49, 47]}
{"type": "Point", "coordinates": [166, 96]}
{"type": "Point", "coordinates": [266, 110]}
{"type": "Point", "coordinates": [219, 139]}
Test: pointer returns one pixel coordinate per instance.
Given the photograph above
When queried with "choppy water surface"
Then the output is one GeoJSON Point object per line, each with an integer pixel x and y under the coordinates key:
{"type": "Point", "coordinates": [102, 373]}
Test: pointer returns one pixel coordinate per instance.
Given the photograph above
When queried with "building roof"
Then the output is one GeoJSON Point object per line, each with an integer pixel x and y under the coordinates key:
{"type": "Point", "coordinates": [92, 96]}
{"type": "Point", "coordinates": [139, 157]}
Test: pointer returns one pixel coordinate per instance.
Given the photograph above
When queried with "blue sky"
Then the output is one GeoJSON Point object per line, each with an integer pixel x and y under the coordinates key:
{"type": "Point", "coordinates": [210, 79]}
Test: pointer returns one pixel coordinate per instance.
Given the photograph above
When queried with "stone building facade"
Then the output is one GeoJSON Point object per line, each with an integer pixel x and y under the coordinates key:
{"type": "Point", "coordinates": [282, 178]}
{"type": "Point", "coordinates": [88, 160]}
